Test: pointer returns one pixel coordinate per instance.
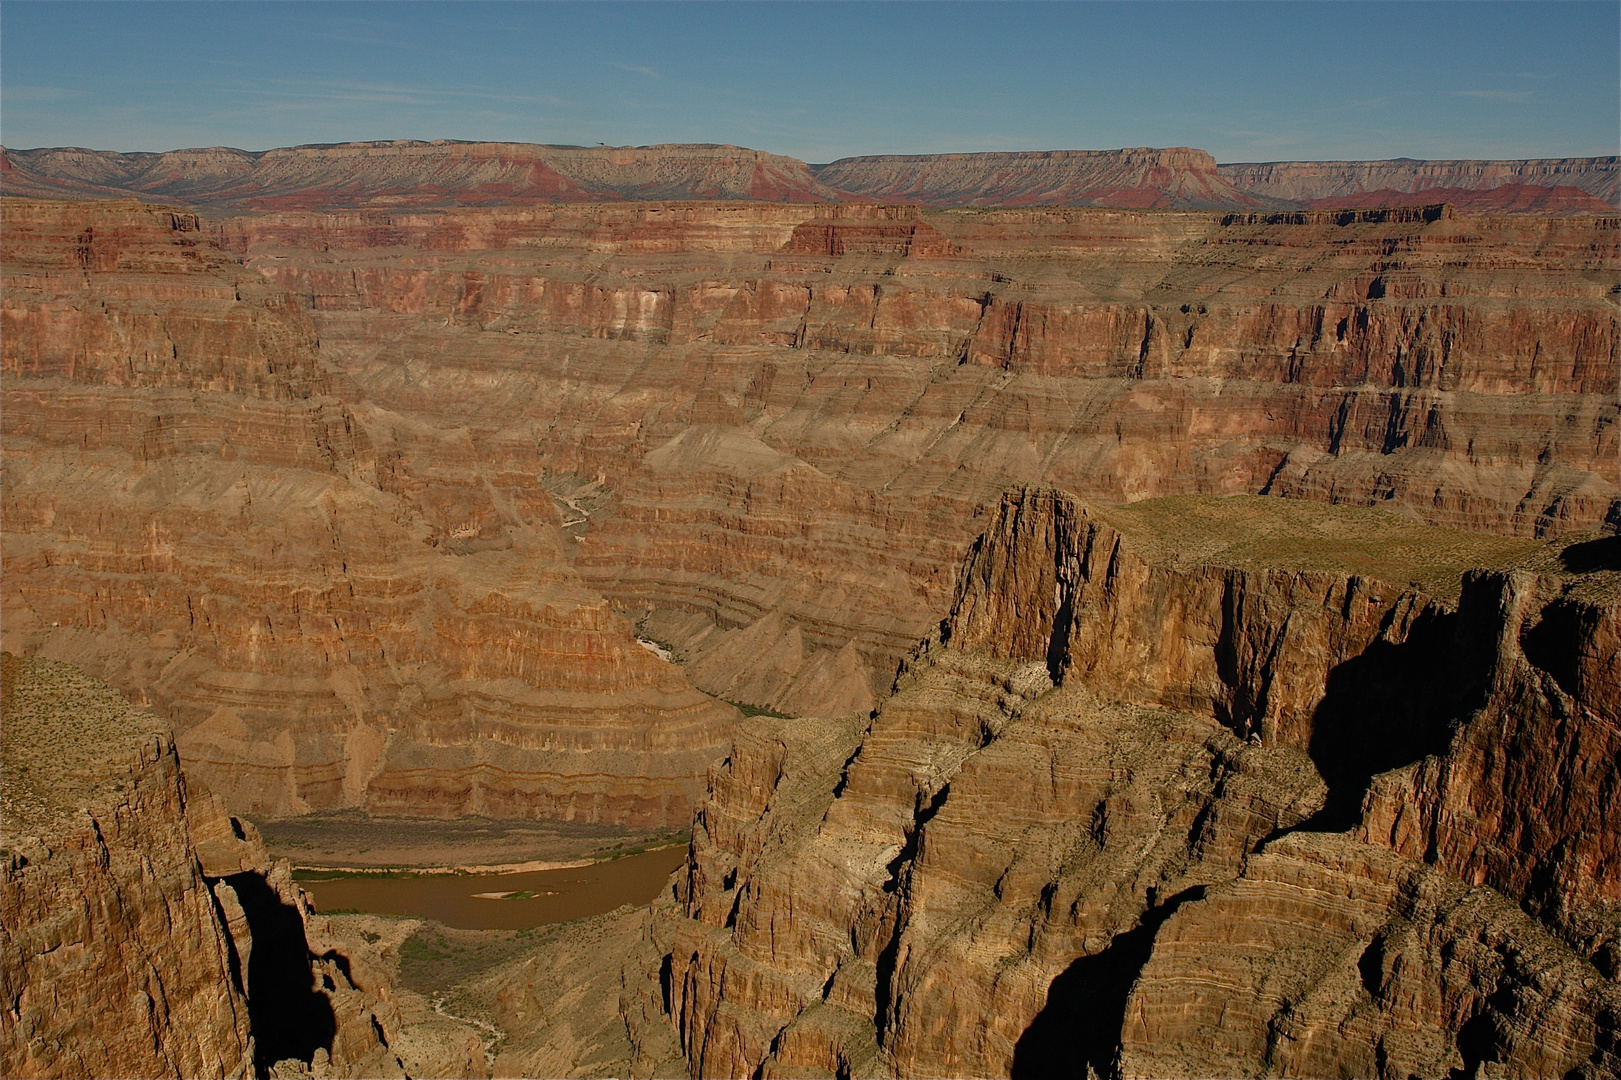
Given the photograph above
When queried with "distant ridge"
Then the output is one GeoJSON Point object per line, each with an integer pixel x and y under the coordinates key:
{"type": "Point", "coordinates": [408, 174]}
{"type": "Point", "coordinates": [412, 174]}
{"type": "Point", "coordinates": [1551, 185]}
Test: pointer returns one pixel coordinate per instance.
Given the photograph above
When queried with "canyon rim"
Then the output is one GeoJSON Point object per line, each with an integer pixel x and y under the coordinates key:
{"type": "Point", "coordinates": [1095, 613]}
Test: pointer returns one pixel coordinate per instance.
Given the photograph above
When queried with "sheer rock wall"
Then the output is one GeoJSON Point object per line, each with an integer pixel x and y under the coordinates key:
{"type": "Point", "coordinates": [145, 931]}
{"type": "Point", "coordinates": [1201, 852]}
{"type": "Point", "coordinates": [797, 415]}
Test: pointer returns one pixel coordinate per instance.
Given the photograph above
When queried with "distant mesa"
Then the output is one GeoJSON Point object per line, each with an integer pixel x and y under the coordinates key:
{"type": "Point", "coordinates": [442, 173]}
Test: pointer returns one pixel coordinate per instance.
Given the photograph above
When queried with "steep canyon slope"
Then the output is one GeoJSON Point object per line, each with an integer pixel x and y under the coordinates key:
{"type": "Point", "coordinates": [1254, 809]}
{"type": "Point", "coordinates": [335, 605]}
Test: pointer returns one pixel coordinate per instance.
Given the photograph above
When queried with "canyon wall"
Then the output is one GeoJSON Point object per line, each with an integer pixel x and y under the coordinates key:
{"type": "Point", "coordinates": [145, 931]}
{"type": "Point", "coordinates": [362, 500]}
{"type": "Point", "coordinates": [335, 604]}
{"type": "Point", "coordinates": [445, 172]}
{"type": "Point", "coordinates": [1179, 177]}
{"type": "Point", "coordinates": [1174, 792]}
{"type": "Point", "coordinates": [786, 422]}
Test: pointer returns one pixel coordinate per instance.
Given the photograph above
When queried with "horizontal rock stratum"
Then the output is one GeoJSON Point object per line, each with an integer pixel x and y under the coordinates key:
{"type": "Point", "coordinates": [337, 605]}
{"type": "Point", "coordinates": [367, 503]}
{"type": "Point", "coordinates": [410, 510]}
{"type": "Point", "coordinates": [451, 173]}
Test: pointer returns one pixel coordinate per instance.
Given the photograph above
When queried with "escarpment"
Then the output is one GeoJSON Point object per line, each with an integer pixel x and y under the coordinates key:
{"type": "Point", "coordinates": [336, 605]}
{"type": "Point", "coordinates": [146, 932]}
{"type": "Point", "coordinates": [785, 422]}
{"type": "Point", "coordinates": [1183, 789]}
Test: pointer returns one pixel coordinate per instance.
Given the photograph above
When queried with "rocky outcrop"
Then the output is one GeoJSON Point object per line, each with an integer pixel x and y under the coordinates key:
{"type": "Point", "coordinates": [335, 604]}
{"type": "Point", "coordinates": [762, 432]}
{"type": "Point", "coordinates": [146, 932]}
{"type": "Point", "coordinates": [1130, 812]}
{"type": "Point", "coordinates": [405, 173]}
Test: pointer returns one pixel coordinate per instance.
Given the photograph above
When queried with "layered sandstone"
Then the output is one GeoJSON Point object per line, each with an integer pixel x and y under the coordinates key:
{"type": "Point", "coordinates": [336, 604]}
{"type": "Point", "coordinates": [1141, 808]}
{"type": "Point", "coordinates": [794, 417]}
{"type": "Point", "coordinates": [763, 432]}
{"type": "Point", "coordinates": [146, 932]}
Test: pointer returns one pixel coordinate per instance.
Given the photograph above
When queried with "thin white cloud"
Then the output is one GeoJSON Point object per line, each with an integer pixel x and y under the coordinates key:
{"type": "Point", "coordinates": [649, 72]}
{"type": "Point", "coordinates": [1497, 95]}
{"type": "Point", "coordinates": [35, 94]}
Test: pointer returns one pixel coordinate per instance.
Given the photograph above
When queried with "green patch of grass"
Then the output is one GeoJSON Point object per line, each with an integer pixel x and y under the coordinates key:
{"type": "Point", "coordinates": [436, 957]}
{"type": "Point", "coordinates": [624, 849]}
{"type": "Point", "coordinates": [754, 710]}
{"type": "Point", "coordinates": [304, 873]}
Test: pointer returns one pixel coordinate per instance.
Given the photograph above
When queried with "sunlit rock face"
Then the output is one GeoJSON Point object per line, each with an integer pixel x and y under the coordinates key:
{"type": "Point", "coordinates": [194, 506]}
{"type": "Point", "coordinates": [445, 172]}
{"type": "Point", "coordinates": [1179, 791]}
{"type": "Point", "coordinates": [363, 500]}
{"type": "Point", "coordinates": [794, 418]}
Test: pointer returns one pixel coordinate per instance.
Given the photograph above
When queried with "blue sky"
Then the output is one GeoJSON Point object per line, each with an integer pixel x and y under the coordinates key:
{"type": "Point", "coordinates": [818, 81]}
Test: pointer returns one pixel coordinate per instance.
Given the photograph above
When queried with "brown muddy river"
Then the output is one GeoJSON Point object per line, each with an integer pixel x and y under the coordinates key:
{"type": "Point", "coordinates": [453, 899]}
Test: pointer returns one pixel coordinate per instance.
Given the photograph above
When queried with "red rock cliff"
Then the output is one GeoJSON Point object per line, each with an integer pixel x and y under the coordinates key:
{"type": "Point", "coordinates": [409, 173]}
{"type": "Point", "coordinates": [336, 604]}
{"type": "Point", "coordinates": [146, 933]}
{"type": "Point", "coordinates": [1177, 860]}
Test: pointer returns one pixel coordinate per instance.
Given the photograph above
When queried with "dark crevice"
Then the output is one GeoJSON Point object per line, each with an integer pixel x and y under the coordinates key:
{"type": "Point", "coordinates": [1552, 643]}
{"type": "Point", "coordinates": [1079, 1029]}
{"type": "Point", "coordinates": [914, 836]}
{"type": "Point", "coordinates": [667, 981]}
{"type": "Point", "coordinates": [341, 962]}
{"type": "Point", "coordinates": [1389, 706]}
{"type": "Point", "coordinates": [233, 959]}
{"type": "Point", "coordinates": [844, 773]}
{"type": "Point", "coordinates": [288, 1016]}
{"type": "Point", "coordinates": [1371, 966]}
{"type": "Point", "coordinates": [1592, 555]}
{"type": "Point", "coordinates": [883, 997]}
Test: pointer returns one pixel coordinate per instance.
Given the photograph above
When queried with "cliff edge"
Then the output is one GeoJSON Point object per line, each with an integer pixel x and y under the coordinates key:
{"type": "Point", "coordinates": [143, 931]}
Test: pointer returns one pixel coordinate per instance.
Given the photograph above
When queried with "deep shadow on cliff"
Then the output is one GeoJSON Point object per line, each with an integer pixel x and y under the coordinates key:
{"type": "Point", "coordinates": [147, 932]}
{"type": "Point", "coordinates": [1077, 1033]}
{"type": "Point", "coordinates": [1389, 706]}
{"type": "Point", "coordinates": [289, 1017]}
